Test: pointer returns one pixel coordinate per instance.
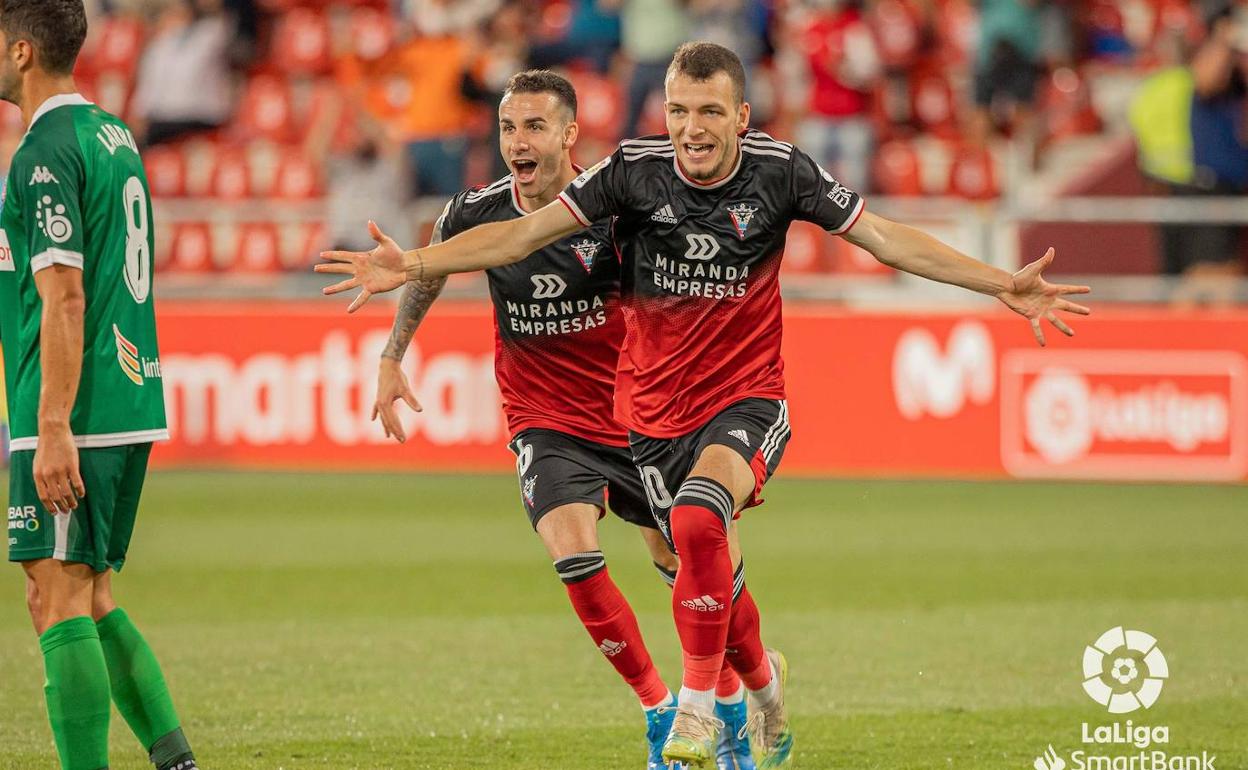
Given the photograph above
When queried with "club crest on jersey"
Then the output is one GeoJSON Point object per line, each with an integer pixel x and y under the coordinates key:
{"type": "Point", "coordinates": [585, 251]}
{"type": "Point", "coordinates": [742, 215]}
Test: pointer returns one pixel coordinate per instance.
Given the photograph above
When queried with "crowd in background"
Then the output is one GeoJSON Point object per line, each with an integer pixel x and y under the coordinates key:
{"type": "Point", "coordinates": [382, 98]}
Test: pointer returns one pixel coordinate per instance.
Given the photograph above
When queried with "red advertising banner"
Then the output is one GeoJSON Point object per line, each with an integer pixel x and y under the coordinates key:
{"type": "Point", "coordinates": [1138, 394]}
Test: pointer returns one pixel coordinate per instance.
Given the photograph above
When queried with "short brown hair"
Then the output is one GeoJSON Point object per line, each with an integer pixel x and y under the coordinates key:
{"type": "Point", "coordinates": [543, 82]}
{"type": "Point", "coordinates": [56, 29]}
{"type": "Point", "coordinates": [701, 60]}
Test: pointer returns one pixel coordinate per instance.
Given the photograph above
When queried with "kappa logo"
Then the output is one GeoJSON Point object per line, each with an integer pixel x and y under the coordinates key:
{"type": "Point", "coordinates": [741, 215]}
{"type": "Point", "coordinates": [701, 246]}
{"type": "Point", "coordinates": [548, 286]}
{"type": "Point", "coordinates": [52, 220]}
{"type": "Point", "coordinates": [665, 215]}
{"type": "Point", "coordinates": [585, 251]}
{"type": "Point", "coordinates": [741, 436]}
{"type": "Point", "coordinates": [42, 175]}
{"type": "Point", "coordinates": [704, 603]}
{"type": "Point", "coordinates": [611, 649]}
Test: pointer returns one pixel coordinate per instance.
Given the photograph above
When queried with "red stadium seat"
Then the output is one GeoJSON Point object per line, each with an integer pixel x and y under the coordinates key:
{"type": "Point", "coordinates": [972, 174]}
{"type": "Point", "coordinates": [266, 110]}
{"type": "Point", "coordinates": [297, 176]}
{"type": "Point", "coordinates": [324, 101]}
{"type": "Point", "coordinates": [600, 107]}
{"type": "Point", "coordinates": [257, 248]}
{"type": "Point", "coordinates": [897, 169]}
{"type": "Point", "coordinates": [1066, 105]}
{"type": "Point", "coordinates": [115, 43]}
{"type": "Point", "coordinates": [806, 250]}
{"type": "Point", "coordinates": [111, 89]}
{"type": "Point", "coordinates": [303, 243]}
{"type": "Point", "coordinates": [301, 43]}
{"type": "Point", "coordinates": [192, 248]}
{"type": "Point", "coordinates": [166, 171]}
{"type": "Point", "coordinates": [898, 34]}
{"type": "Point", "coordinates": [231, 176]}
{"type": "Point", "coordinates": [957, 27]}
{"type": "Point", "coordinates": [372, 32]}
{"type": "Point", "coordinates": [933, 103]}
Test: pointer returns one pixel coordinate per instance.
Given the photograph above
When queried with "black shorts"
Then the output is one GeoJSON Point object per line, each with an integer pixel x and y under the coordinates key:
{"type": "Point", "coordinates": [755, 428]}
{"type": "Point", "coordinates": [556, 469]}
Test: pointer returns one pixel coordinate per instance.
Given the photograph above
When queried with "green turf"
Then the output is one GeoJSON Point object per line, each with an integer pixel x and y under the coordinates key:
{"type": "Point", "coordinates": [322, 621]}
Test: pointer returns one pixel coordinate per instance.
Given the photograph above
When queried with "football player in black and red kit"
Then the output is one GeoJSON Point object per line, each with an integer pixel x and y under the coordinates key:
{"type": "Point", "coordinates": [701, 218]}
{"type": "Point", "coordinates": [558, 331]}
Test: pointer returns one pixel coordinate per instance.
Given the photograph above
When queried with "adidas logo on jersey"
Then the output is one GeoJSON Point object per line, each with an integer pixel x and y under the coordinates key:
{"type": "Point", "coordinates": [664, 215]}
{"type": "Point", "coordinates": [611, 649]}
{"type": "Point", "coordinates": [741, 436]}
{"type": "Point", "coordinates": [703, 604]}
{"type": "Point", "coordinates": [42, 175]}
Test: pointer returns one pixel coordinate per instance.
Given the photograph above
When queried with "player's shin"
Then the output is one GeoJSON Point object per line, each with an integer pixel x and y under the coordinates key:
{"type": "Point", "coordinates": [142, 697]}
{"type": "Point", "coordinates": [610, 621]}
{"type": "Point", "coordinates": [745, 651]}
{"type": "Point", "coordinates": [702, 596]}
{"type": "Point", "coordinates": [77, 693]}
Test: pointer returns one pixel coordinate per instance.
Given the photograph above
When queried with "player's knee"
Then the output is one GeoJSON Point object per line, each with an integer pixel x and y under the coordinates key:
{"type": "Point", "coordinates": [701, 514]}
{"type": "Point", "coordinates": [580, 567]}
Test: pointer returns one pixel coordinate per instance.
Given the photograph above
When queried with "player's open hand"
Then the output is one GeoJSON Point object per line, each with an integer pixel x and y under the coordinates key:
{"type": "Point", "coordinates": [392, 386]}
{"type": "Point", "coordinates": [373, 272]}
{"type": "Point", "coordinates": [1036, 299]}
{"type": "Point", "coordinates": [57, 479]}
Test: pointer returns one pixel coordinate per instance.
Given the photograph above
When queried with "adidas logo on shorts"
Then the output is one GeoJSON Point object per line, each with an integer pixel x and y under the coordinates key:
{"type": "Point", "coordinates": [703, 604]}
{"type": "Point", "coordinates": [664, 215]}
{"type": "Point", "coordinates": [741, 436]}
{"type": "Point", "coordinates": [611, 649]}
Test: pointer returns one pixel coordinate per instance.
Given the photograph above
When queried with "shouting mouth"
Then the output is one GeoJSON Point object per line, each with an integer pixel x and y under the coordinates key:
{"type": "Point", "coordinates": [524, 170]}
{"type": "Point", "coordinates": [698, 152]}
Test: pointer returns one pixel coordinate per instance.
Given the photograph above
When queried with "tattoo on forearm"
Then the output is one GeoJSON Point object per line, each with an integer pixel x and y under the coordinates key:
{"type": "Point", "coordinates": [415, 302]}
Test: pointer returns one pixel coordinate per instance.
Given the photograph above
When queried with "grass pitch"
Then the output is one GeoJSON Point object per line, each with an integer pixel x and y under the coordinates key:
{"type": "Point", "coordinates": [337, 621]}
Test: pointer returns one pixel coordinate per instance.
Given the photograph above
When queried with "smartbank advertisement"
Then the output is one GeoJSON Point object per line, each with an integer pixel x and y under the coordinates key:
{"type": "Point", "coordinates": [1137, 395]}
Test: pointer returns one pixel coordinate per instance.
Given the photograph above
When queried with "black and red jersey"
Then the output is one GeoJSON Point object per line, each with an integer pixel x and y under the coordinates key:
{"type": "Point", "coordinates": [701, 267]}
{"type": "Point", "coordinates": [557, 318]}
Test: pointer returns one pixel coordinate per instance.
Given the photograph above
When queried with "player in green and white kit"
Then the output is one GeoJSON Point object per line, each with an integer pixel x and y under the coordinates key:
{"type": "Point", "coordinates": [84, 388]}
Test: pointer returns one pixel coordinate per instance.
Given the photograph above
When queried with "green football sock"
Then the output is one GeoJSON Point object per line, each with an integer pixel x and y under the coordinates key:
{"type": "Point", "coordinates": [140, 691]}
{"type": "Point", "coordinates": [77, 693]}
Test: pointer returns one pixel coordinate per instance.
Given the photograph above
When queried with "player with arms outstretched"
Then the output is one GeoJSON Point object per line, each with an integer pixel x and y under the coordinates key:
{"type": "Point", "coordinates": [558, 329]}
{"type": "Point", "coordinates": [702, 215]}
{"type": "Point", "coordinates": [82, 373]}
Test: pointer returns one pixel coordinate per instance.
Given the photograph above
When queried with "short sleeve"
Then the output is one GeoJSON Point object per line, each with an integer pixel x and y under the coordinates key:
{"type": "Point", "coordinates": [599, 192]}
{"type": "Point", "coordinates": [819, 198]}
{"type": "Point", "coordinates": [51, 205]}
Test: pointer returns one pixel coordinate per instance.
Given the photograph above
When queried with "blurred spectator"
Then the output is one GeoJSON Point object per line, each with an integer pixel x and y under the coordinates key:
{"type": "Point", "coordinates": [448, 17]}
{"type": "Point", "coordinates": [843, 64]}
{"type": "Point", "coordinates": [501, 50]}
{"type": "Point", "coordinates": [592, 35]}
{"type": "Point", "coordinates": [399, 86]}
{"type": "Point", "coordinates": [743, 27]}
{"type": "Point", "coordinates": [1209, 254]}
{"type": "Point", "coordinates": [1007, 66]}
{"type": "Point", "coordinates": [184, 82]}
{"type": "Point", "coordinates": [650, 32]}
{"type": "Point", "coordinates": [360, 180]}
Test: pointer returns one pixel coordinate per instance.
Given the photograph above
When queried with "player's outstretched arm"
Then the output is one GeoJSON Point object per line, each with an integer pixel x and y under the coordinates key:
{"type": "Point", "coordinates": [57, 478]}
{"type": "Point", "coordinates": [494, 244]}
{"type": "Point", "coordinates": [914, 251]}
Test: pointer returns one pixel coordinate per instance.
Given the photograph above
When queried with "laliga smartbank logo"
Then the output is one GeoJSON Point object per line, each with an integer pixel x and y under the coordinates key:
{"type": "Point", "coordinates": [1124, 671]}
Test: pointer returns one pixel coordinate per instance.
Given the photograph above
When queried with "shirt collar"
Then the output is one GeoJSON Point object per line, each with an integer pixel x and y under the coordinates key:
{"type": "Point", "coordinates": [52, 102]}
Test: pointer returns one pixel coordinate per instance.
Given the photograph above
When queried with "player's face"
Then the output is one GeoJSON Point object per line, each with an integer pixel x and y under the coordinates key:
{"type": "Point", "coordinates": [535, 136]}
{"type": "Point", "coordinates": [10, 79]}
{"type": "Point", "coordinates": [703, 120]}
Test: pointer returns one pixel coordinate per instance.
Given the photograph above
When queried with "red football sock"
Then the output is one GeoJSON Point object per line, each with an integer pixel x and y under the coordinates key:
{"type": "Point", "coordinates": [745, 644]}
{"type": "Point", "coordinates": [729, 683]}
{"type": "Point", "coordinates": [610, 621]}
{"type": "Point", "coordinates": [702, 596]}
